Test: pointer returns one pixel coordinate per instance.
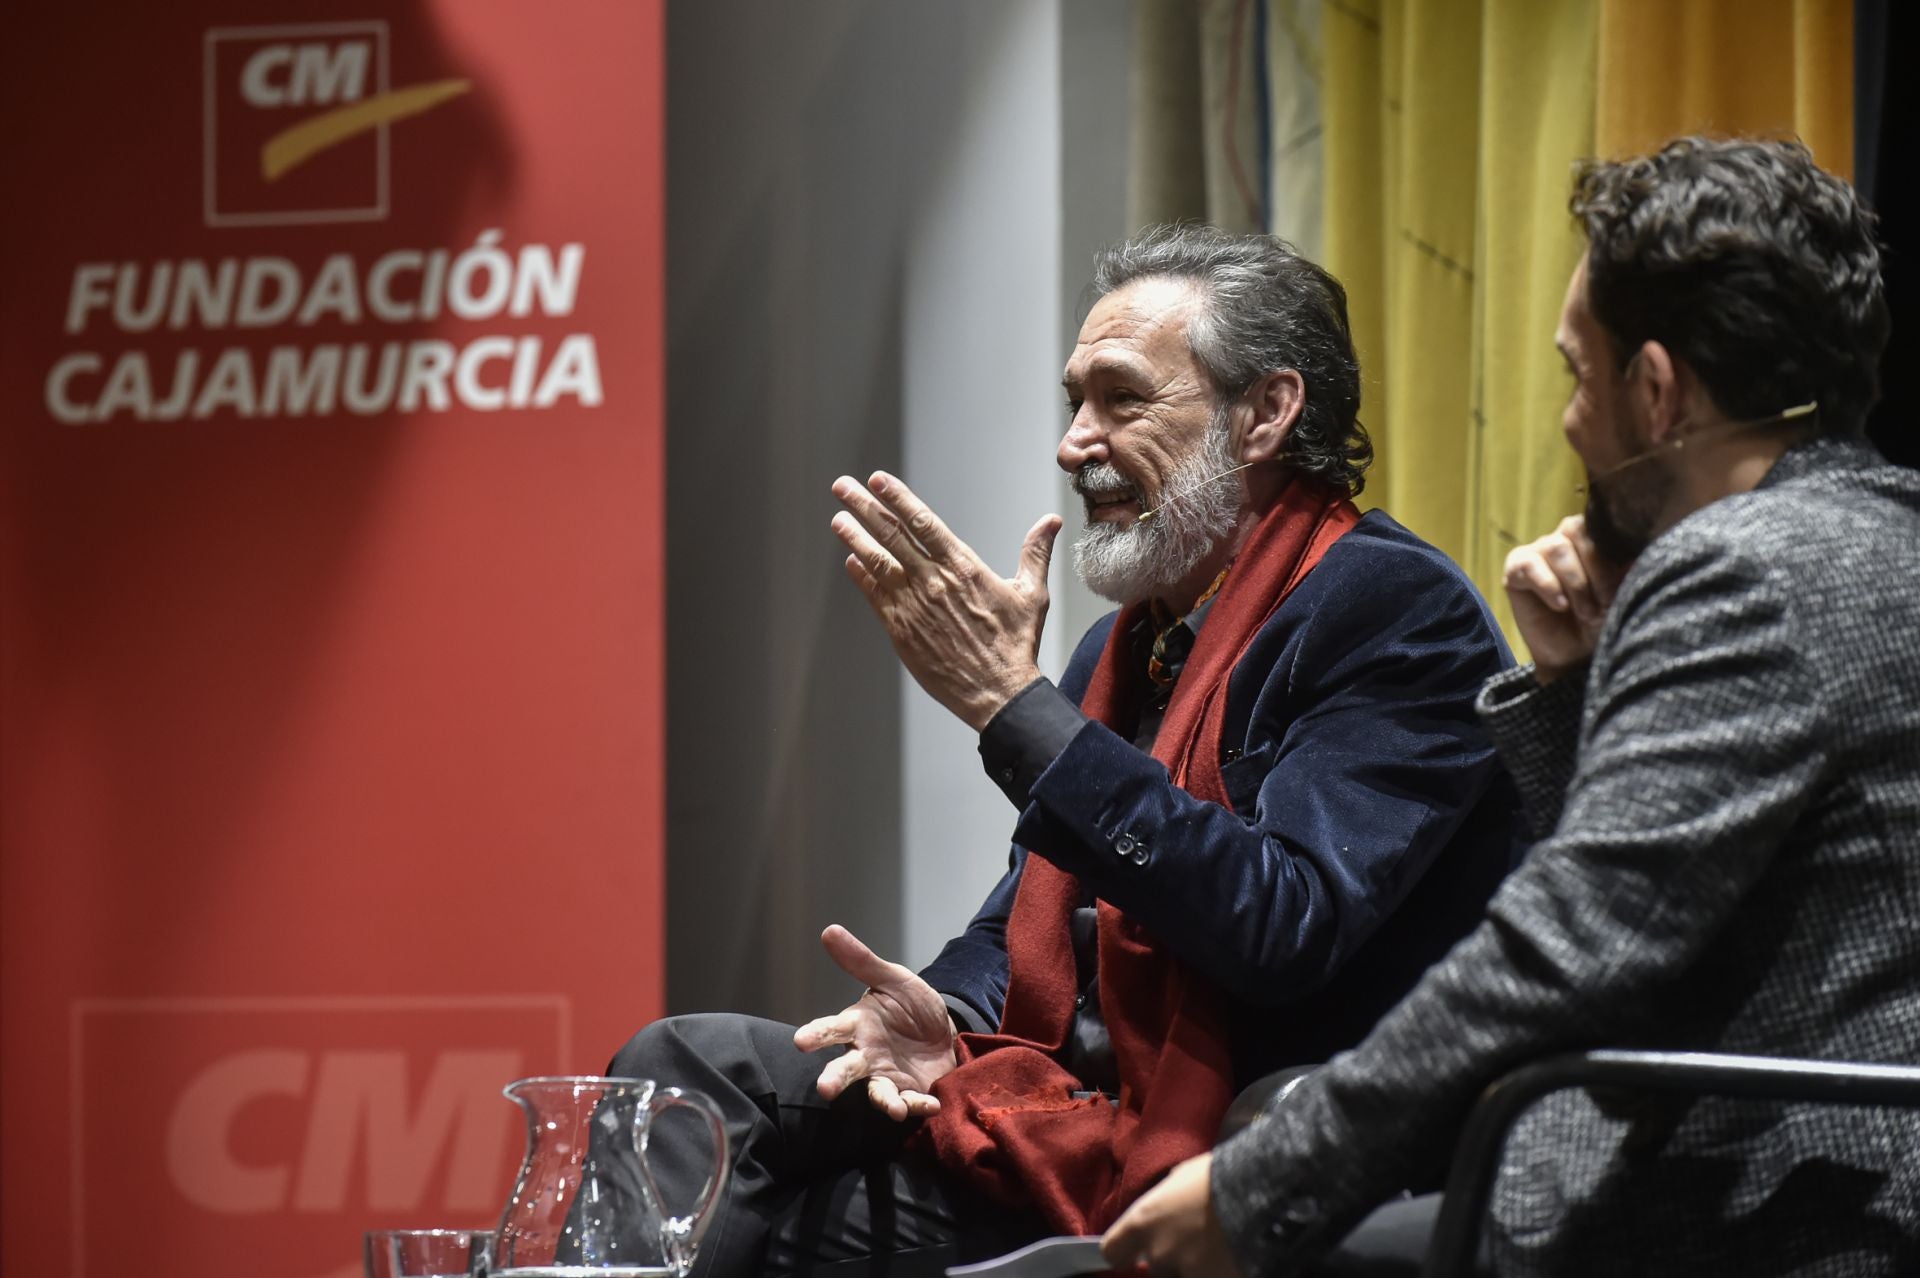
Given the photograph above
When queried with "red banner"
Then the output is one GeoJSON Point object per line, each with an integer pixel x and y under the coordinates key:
{"type": "Point", "coordinates": [331, 596]}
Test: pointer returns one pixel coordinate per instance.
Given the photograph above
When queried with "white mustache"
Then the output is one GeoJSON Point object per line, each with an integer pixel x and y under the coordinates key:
{"type": "Point", "coordinates": [1102, 481]}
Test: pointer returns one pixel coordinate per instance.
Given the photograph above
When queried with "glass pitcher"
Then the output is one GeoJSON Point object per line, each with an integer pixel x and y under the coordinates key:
{"type": "Point", "coordinates": [586, 1203]}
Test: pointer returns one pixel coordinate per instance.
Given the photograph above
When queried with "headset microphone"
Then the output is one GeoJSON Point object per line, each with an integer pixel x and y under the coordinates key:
{"type": "Point", "coordinates": [1781, 418]}
{"type": "Point", "coordinates": [1190, 491]}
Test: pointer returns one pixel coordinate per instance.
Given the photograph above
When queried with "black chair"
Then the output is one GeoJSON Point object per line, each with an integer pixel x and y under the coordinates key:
{"type": "Point", "coordinates": [1259, 1094]}
{"type": "Point", "coordinates": [1477, 1156]}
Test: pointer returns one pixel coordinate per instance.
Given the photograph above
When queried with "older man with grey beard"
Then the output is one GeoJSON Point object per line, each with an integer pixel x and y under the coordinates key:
{"type": "Point", "coordinates": [1254, 809]}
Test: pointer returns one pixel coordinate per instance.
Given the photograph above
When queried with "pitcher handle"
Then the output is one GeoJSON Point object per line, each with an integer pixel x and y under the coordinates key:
{"type": "Point", "coordinates": [680, 1235]}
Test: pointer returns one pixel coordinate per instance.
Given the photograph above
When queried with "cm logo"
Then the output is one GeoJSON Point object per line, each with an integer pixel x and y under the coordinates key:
{"type": "Point", "coordinates": [297, 118]}
{"type": "Point", "coordinates": [361, 1125]}
{"type": "Point", "coordinates": [313, 73]}
{"type": "Point", "coordinates": [223, 1137]}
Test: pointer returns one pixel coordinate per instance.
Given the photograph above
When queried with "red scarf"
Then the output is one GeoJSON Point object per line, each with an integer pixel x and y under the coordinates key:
{"type": "Point", "coordinates": [1008, 1119]}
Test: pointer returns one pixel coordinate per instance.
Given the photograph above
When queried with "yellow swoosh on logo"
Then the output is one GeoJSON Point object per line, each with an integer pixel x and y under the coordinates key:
{"type": "Point", "coordinates": [307, 139]}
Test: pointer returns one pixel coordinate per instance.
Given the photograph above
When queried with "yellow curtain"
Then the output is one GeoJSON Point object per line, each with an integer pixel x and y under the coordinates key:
{"type": "Point", "coordinates": [1442, 135]}
{"type": "Point", "coordinates": [1770, 67]}
{"type": "Point", "coordinates": [1430, 79]}
{"type": "Point", "coordinates": [1451, 130]}
{"type": "Point", "coordinates": [1536, 119]}
{"type": "Point", "coordinates": [1451, 126]}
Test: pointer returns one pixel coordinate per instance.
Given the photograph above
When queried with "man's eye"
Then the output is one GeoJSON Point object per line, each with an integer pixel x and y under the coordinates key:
{"type": "Point", "coordinates": [1073, 408]}
{"type": "Point", "coordinates": [1122, 395]}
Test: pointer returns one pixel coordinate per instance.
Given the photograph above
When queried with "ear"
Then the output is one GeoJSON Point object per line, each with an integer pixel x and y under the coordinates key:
{"type": "Point", "coordinates": [1658, 391]}
{"type": "Point", "coordinates": [1273, 405]}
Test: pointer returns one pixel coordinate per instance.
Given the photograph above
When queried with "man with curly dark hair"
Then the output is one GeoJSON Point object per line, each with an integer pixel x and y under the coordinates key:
{"type": "Point", "coordinates": [1719, 738]}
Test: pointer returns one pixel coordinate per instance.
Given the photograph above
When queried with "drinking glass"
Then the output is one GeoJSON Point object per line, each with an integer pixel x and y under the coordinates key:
{"type": "Point", "coordinates": [428, 1253]}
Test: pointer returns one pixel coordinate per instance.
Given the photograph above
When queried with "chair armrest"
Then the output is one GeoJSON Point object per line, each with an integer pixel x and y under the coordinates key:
{"type": "Point", "coordinates": [1260, 1093]}
{"type": "Point", "coordinates": [1476, 1158]}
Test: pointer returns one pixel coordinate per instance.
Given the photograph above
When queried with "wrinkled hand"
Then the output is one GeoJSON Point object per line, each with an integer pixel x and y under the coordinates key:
{"type": "Point", "coordinates": [1560, 588]}
{"type": "Point", "coordinates": [968, 636]}
{"type": "Point", "coordinates": [1171, 1229]}
{"type": "Point", "coordinates": [899, 1035]}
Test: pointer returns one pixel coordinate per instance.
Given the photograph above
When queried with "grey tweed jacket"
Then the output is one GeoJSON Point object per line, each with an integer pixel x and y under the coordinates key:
{"type": "Point", "coordinates": [1733, 864]}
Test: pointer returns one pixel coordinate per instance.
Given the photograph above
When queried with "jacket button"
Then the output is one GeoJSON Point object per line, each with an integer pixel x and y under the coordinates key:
{"type": "Point", "coordinates": [1139, 856]}
{"type": "Point", "coordinates": [1297, 1217]}
{"type": "Point", "coordinates": [1124, 845]}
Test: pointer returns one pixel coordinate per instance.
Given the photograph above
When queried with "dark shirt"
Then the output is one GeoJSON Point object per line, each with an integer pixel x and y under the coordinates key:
{"type": "Point", "coordinates": [1017, 745]}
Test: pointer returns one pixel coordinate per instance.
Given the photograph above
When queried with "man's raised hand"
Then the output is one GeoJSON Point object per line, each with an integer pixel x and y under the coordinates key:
{"type": "Point", "coordinates": [898, 1034]}
{"type": "Point", "coordinates": [1560, 587]}
{"type": "Point", "coordinates": [968, 636]}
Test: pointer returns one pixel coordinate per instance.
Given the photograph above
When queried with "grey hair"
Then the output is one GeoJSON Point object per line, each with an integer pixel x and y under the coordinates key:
{"type": "Point", "coordinates": [1264, 308]}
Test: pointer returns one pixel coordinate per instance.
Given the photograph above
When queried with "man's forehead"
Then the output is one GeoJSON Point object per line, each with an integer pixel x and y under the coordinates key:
{"type": "Point", "coordinates": [1142, 319]}
{"type": "Point", "coordinates": [1576, 321]}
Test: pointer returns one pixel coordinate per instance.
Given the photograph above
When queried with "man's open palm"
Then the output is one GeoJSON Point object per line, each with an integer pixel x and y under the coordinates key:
{"type": "Point", "coordinates": [898, 1034]}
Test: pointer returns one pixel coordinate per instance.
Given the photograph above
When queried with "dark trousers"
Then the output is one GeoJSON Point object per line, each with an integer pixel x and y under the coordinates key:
{"type": "Point", "coordinates": [817, 1187]}
{"type": "Point", "coordinates": [836, 1188]}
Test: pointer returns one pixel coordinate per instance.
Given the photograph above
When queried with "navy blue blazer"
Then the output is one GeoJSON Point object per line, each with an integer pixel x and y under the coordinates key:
{"type": "Point", "coordinates": [1370, 818]}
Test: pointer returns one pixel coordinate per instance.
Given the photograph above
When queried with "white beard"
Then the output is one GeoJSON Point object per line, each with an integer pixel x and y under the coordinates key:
{"type": "Point", "coordinates": [1137, 562]}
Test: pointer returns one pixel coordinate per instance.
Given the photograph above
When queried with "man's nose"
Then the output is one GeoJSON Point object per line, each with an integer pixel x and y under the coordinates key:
{"type": "Point", "coordinates": [1084, 442]}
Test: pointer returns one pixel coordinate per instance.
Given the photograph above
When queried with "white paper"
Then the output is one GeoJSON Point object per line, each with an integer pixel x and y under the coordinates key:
{"type": "Point", "coordinates": [1048, 1258]}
